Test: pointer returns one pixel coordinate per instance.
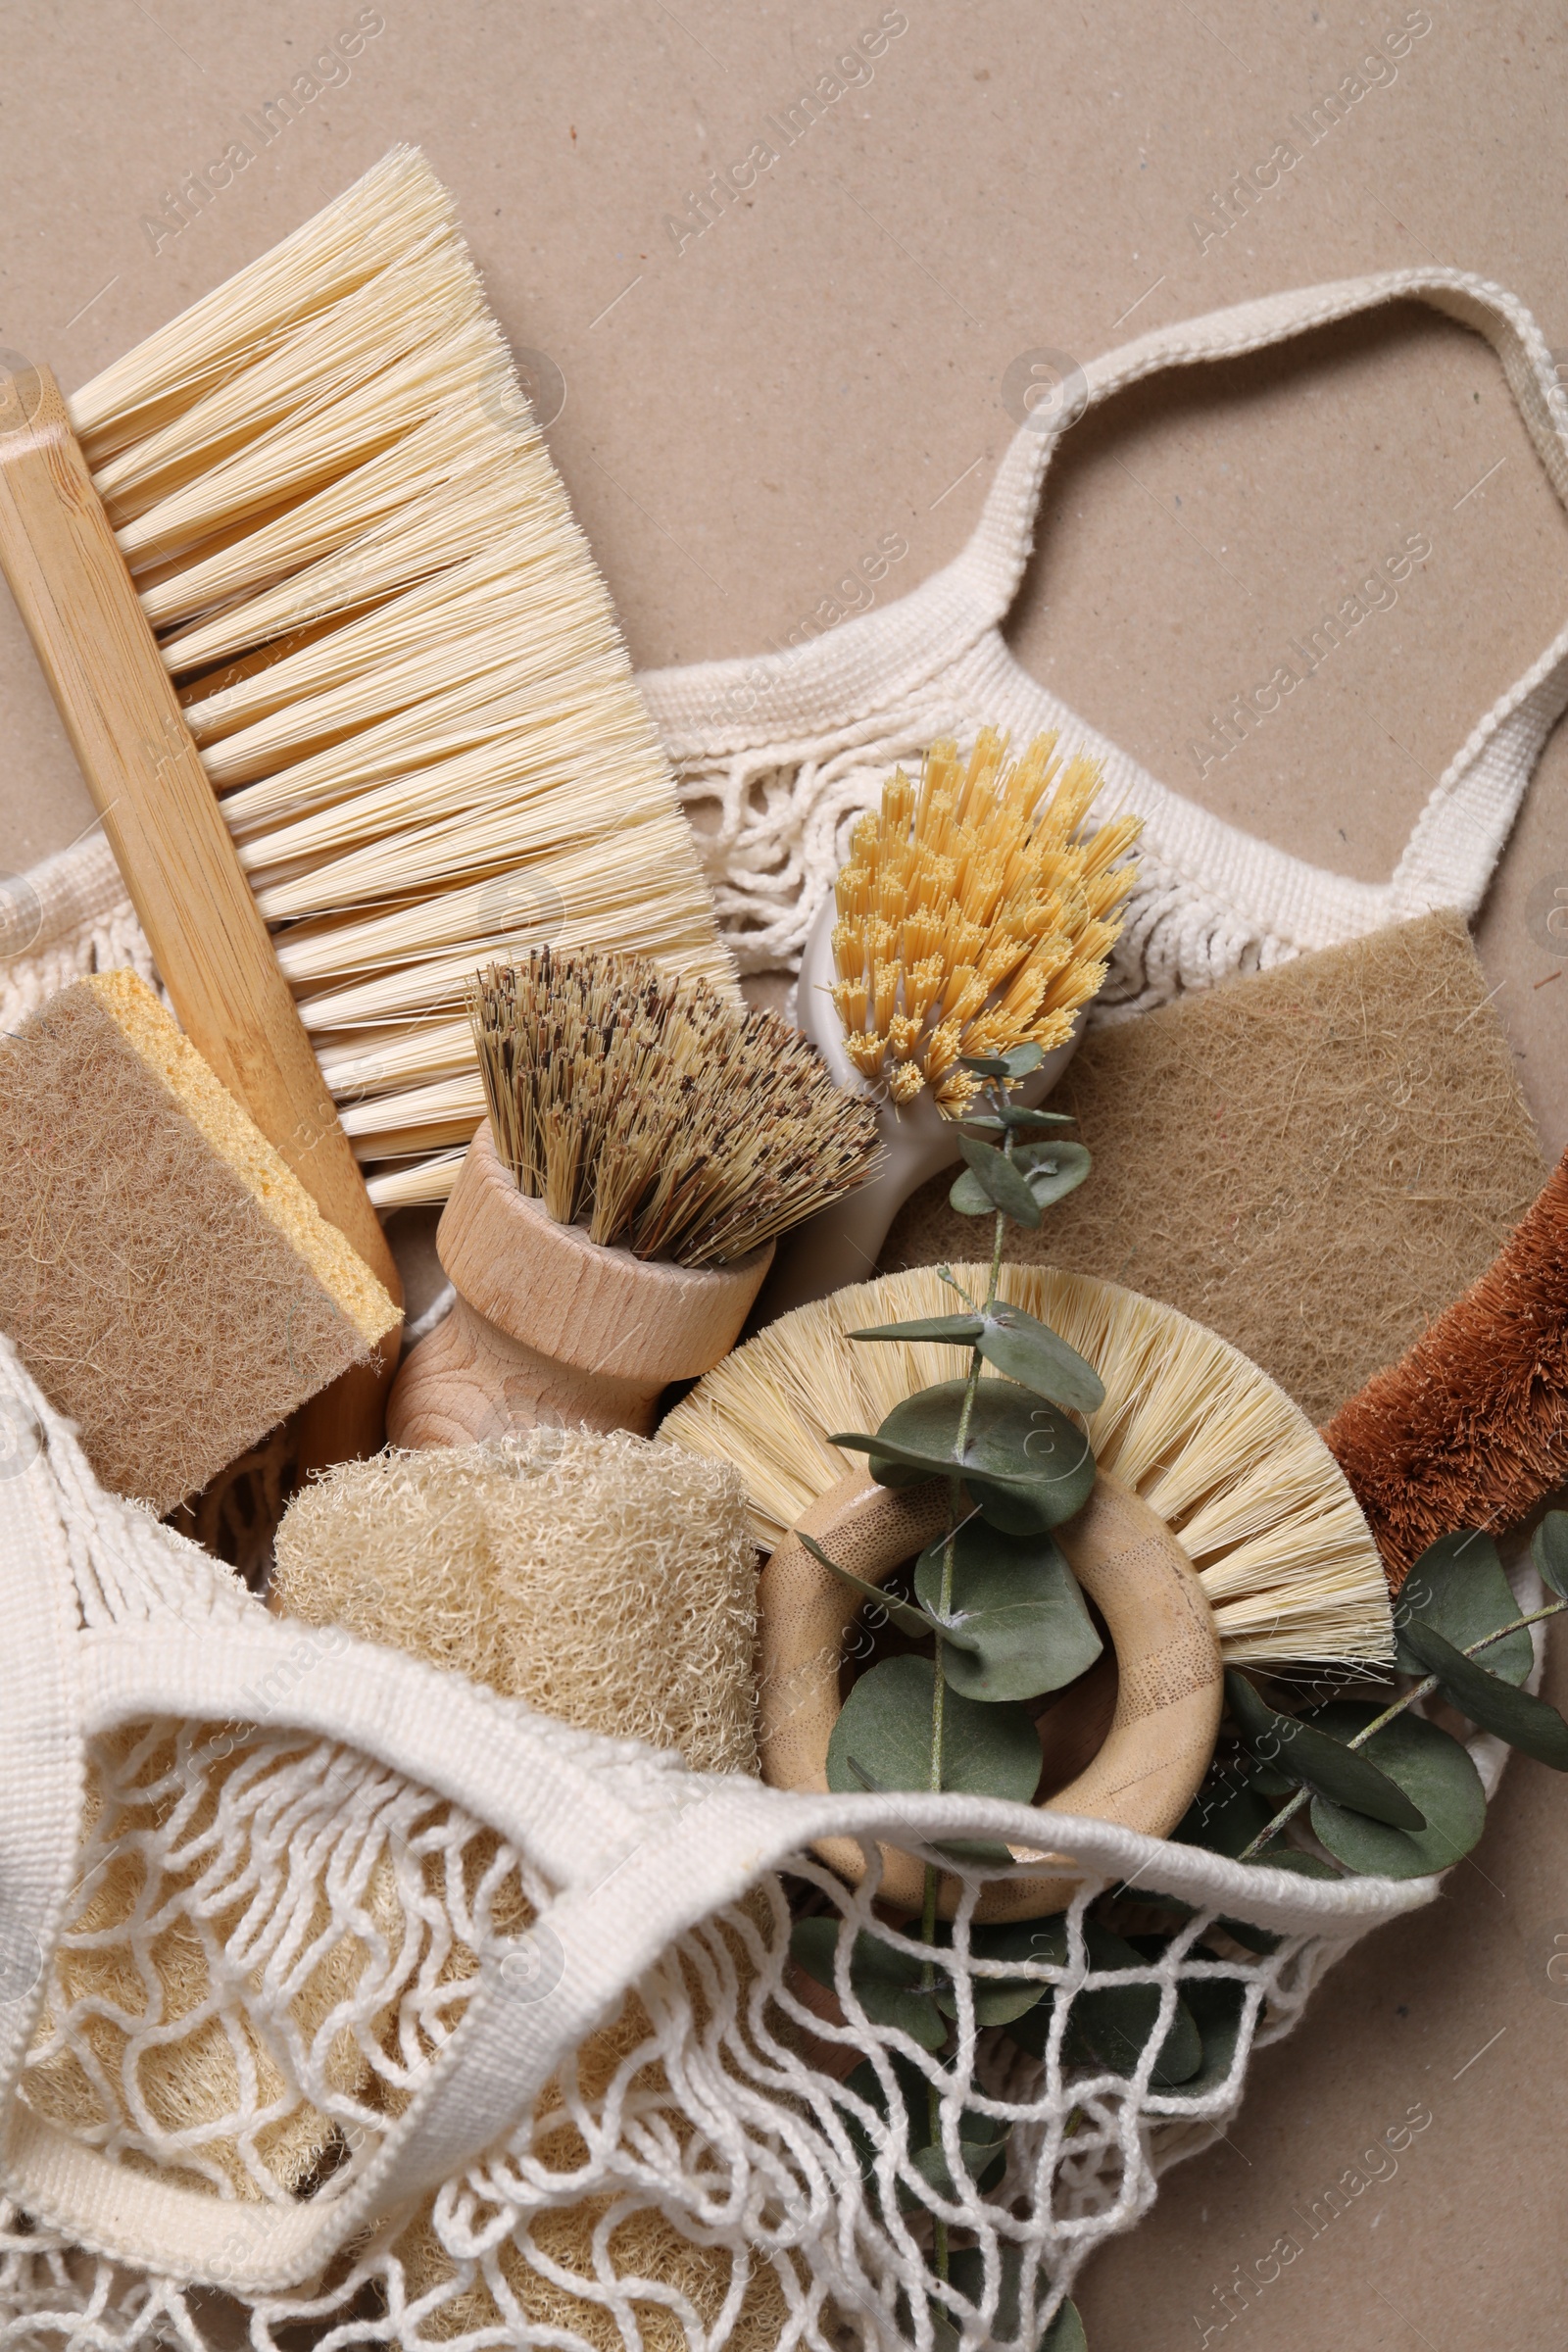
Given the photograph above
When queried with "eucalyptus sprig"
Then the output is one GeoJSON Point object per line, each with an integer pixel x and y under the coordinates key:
{"type": "Point", "coordinates": [994, 1594]}
{"type": "Point", "coordinates": [1390, 1792]}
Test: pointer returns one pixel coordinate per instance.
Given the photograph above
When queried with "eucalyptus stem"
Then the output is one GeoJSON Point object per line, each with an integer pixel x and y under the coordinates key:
{"type": "Point", "coordinates": [1417, 1691]}
{"type": "Point", "coordinates": [928, 1918]}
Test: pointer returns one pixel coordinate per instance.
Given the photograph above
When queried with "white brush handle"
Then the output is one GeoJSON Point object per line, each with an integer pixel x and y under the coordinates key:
{"type": "Point", "coordinates": [842, 1242]}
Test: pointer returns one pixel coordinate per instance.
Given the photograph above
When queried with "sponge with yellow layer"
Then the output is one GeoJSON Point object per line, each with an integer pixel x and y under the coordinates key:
{"type": "Point", "coordinates": [166, 1279]}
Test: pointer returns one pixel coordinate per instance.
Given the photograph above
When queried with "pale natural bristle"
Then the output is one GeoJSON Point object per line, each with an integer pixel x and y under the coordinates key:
{"type": "Point", "coordinates": [1238, 1472]}
{"type": "Point", "coordinates": [975, 914]}
{"type": "Point", "coordinates": [657, 1117]}
{"type": "Point", "coordinates": [394, 653]}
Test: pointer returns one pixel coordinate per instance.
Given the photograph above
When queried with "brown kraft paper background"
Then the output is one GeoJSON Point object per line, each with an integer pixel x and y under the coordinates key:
{"type": "Point", "coordinates": [752, 415]}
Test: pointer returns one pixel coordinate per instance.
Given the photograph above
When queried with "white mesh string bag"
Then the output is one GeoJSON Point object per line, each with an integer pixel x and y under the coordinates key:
{"type": "Point", "coordinates": [337, 1992]}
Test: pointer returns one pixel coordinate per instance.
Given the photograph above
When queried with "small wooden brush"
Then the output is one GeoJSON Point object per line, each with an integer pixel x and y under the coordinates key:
{"type": "Point", "coordinates": [975, 913]}
{"type": "Point", "coordinates": [345, 685]}
{"type": "Point", "coordinates": [613, 1220]}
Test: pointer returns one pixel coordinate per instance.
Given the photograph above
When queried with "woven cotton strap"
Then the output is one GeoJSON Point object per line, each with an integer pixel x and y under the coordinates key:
{"type": "Point", "coordinates": [638, 1849]}
{"type": "Point", "coordinates": [631, 1885]}
{"type": "Point", "coordinates": [937, 658]}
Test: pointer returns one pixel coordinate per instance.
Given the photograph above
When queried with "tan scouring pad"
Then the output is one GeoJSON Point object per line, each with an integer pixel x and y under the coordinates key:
{"type": "Point", "coordinates": [166, 1280]}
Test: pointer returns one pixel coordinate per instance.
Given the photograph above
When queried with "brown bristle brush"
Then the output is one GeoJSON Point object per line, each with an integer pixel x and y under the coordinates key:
{"type": "Point", "coordinates": [1470, 1428]}
{"type": "Point", "coordinates": [346, 688]}
{"type": "Point", "coordinates": [614, 1219]}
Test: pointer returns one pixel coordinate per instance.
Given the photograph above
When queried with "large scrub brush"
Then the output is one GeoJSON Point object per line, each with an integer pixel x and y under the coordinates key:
{"type": "Point", "coordinates": [345, 685]}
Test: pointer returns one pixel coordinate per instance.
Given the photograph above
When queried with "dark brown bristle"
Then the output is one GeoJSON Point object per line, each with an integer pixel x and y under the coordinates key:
{"type": "Point", "coordinates": [657, 1117]}
{"type": "Point", "coordinates": [1470, 1428]}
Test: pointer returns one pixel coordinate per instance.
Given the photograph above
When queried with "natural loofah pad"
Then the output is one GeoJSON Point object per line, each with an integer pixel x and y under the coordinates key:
{"type": "Point", "coordinates": [166, 1280]}
{"type": "Point", "coordinates": [612, 1582]}
{"type": "Point", "coordinates": [1312, 1160]}
{"type": "Point", "coordinates": [601, 1579]}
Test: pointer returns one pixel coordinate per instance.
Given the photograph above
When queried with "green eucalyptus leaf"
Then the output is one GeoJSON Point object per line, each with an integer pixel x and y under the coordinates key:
{"type": "Point", "coordinates": [1116, 2021]}
{"type": "Point", "coordinates": [908, 1619]}
{"type": "Point", "coordinates": [1020, 1626]}
{"type": "Point", "coordinates": [983, 2158]}
{"type": "Point", "coordinates": [886, 1983]}
{"type": "Point", "coordinates": [1053, 1170]}
{"type": "Point", "coordinates": [1014, 1117]}
{"type": "Point", "coordinates": [1065, 2332]}
{"type": "Point", "coordinates": [1458, 1589]}
{"type": "Point", "coordinates": [1030, 1352]}
{"type": "Point", "coordinates": [1527, 1724]}
{"type": "Point", "coordinates": [1216, 2006]}
{"type": "Point", "coordinates": [1017, 1062]}
{"type": "Point", "coordinates": [1049, 1170]}
{"type": "Point", "coordinates": [968, 1197]}
{"type": "Point", "coordinates": [885, 1725]}
{"type": "Point", "coordinates": [1000, 1181]}
{"type": "Point", "coordinates": [1025, 1465]}
{"type": "Point", "coordinates": [1021, 1943]}
{"type": "Point", "coordinates": [1549, 1548]}
{"type": "Point", "coordinates": [1225, 1817]}
{"type": "Point", "coordinates": [1110, 2024]}
{"type": "Point", "coordinates": [1434, 1770]}
{"type": "Point", "coordinates": [961, 1330]}
{"type": "Point", "coordinates": [981, 2137]}
{"type": "Point", "coordinates": [1314, 1760]}
{"type": "Point", "coordinates": [966, 2273]}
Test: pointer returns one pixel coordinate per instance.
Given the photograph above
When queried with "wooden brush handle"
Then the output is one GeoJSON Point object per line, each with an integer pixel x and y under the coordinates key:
{"type": "Point", "coordinates": [163, 824]}
{"type": "Point", "coordinates": [1170, 1672]}
{"type": "Point", "coordinates": [550, 1328]}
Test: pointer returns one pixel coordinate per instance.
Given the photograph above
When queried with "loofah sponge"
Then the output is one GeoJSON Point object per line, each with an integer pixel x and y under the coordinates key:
{"type": "Point", "coordinates": [611, 1581]}
{"type": "Point", "coordinates": [600, 1577]}
{"type": "Point", "coordinates": [166, 1280]}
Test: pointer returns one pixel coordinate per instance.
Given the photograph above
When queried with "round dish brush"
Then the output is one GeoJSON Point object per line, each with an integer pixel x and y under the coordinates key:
{"type": "Point", "coordinates": [975, 913]}
{"type": "Point", "coordinates": [1189, 1425]}
{"type": "Point", "coordinates": [611, 1222]}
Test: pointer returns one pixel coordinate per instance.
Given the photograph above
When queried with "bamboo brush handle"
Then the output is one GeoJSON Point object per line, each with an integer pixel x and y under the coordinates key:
{"type": "Point", "coordinates": [1170, 1671]}
{"type": "Point", "coordinates": [554, 1330]}
{"type": "Point", "coordinates": [165, 826]}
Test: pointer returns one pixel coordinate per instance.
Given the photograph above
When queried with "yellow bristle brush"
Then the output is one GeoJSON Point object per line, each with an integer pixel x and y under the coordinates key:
{"type": "Point", "coordinates": [346, 688]}
{"type": "Point", "coordinates": [975, 913]}
{"type": "Point", "coordinates": [1189, 1424]}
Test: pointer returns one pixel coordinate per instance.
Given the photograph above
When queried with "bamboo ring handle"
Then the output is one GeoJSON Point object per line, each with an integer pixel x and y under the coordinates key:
{"type": "Point", "coordinates": [1169, 1688]}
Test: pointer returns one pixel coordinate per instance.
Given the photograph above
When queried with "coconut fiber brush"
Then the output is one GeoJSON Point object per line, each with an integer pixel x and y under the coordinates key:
{"type": "Point", "coordinates": [1470, 1428]}
{"type": "Point", "coordinates": [344, 682]}
{"type": "Point", "coordinates": [644, 1146]}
